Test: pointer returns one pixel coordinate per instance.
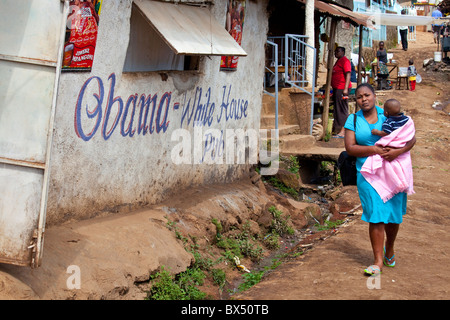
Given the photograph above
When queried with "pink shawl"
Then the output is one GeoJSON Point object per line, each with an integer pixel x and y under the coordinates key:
{"type": "Point", "coordinates": [391, 177]}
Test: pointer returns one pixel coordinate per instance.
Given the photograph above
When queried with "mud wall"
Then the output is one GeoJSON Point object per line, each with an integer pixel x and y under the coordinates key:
{"type": "Point", "coordinates": [105, 158]}
{"type": "Point", "coordinates": [295, 106]}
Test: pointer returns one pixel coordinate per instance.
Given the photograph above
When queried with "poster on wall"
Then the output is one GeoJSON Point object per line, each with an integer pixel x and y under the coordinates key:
{"type": "Point", "coordinates": [81, 35]}
{"type": "Point", "coordinates": [234, 25]}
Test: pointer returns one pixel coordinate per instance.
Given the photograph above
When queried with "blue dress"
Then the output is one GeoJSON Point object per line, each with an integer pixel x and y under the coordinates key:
{"type": "Point", "coordinates": [374, 209]}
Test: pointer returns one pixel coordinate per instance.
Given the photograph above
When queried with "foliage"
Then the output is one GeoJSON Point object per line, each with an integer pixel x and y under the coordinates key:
{"type": "Point", "coordinates": [219, 277]}
{"type": "Point", "coordinates": [280, 185]}
{"type": "Point", "coordinates": [272, 241]}
{"type": "Point", "coordinates": [179, 287]}
{"type": "Point", "coordinates": [240, 245]}
{"type": "Point", "coordinates": [328, 225]}
{"type": "Point", "coordinates": [280, 224]}
{"type": "Point", "coordinates": [250, 279]}
{"type": "Point", "coordinates": [292, 163]}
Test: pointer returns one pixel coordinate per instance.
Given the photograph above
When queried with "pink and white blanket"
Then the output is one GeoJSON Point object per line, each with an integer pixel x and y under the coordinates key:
{"type": "Point", "coordinates": [391, 177]}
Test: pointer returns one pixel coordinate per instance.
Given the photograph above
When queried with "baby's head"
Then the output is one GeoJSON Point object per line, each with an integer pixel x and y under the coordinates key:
{"type": "Point", "coordinates": [411, 62]}
{"type": "Point", "coordinates": [392, 107]}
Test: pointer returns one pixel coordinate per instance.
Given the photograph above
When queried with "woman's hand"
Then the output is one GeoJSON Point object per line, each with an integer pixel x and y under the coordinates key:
{"type": "Point", "coordinates": [390, 154]}
{"type": "Point", "coordinates": [378, 150]}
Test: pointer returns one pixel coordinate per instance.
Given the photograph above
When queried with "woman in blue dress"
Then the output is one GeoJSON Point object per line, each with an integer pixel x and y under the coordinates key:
{"type": "Point", "coordinates": [383, 218]}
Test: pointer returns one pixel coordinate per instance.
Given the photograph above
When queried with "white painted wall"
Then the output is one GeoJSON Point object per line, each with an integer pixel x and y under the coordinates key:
{"type": "Point", "coordinates": [120, 173]}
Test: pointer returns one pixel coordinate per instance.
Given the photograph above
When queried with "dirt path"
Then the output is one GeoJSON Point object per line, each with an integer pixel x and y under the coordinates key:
{"type": "Point", "coordinates": [334, 268]}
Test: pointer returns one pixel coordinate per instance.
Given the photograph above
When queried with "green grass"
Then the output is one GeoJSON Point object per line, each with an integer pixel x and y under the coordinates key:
{"type": "Point", "coordinates": [180, 287]}
{"type": "Point", "coordinates": [328, 225]}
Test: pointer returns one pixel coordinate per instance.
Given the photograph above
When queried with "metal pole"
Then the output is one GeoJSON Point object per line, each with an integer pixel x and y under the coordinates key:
{"type": "Point", "coordinates": [42, 213]}
{"type": "Point", "coordinates": [360, 54]}
{"type": "Point", "coordinates": [326, 104]}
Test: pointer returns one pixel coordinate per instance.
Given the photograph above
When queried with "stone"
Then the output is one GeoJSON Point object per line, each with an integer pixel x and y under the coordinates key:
{"type": "Point", "coordinates": [288, 178]}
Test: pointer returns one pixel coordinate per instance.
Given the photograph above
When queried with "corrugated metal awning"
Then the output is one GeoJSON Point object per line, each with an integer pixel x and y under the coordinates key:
{"type": "Point", "coordinates": [189, 30]}
{"type": "Point", "coordinates": [340, 12]}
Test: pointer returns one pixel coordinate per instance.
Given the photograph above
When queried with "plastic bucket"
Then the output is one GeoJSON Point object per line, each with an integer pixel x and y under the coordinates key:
{"type": "Point", "coordinates": [437, 56]}
{"type": "Point", "coordinates": [418, 78]}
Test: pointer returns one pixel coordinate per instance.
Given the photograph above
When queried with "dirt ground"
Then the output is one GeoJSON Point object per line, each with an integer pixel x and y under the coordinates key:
{"type": "Point", "coordinates": [334, 268]}
{"type": "Point", "coordinates": [118, 254]}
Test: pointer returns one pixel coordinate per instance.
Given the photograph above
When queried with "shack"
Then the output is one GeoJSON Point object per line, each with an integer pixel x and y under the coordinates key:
{"type": "Point", "coordinates": [109, 106]}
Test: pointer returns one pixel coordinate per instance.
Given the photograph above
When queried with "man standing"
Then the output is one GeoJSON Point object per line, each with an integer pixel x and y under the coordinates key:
{"type": "Point", "coordinates": [340, 82]}
{"type": "Point", "coordinates": [436, 27]}
{"type": "Point", "coordinates": [404, 34]}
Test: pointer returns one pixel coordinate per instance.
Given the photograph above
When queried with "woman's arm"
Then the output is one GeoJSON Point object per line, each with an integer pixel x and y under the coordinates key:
{"type": "Point", "coordinates": [357, 150]}
{"type": "Point", "coordinates": [347, 76]}
{"type": "Point", "coordinates": [392, 153]}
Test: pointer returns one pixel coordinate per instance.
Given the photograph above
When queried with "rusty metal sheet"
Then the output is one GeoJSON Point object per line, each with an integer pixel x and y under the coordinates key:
{"type": "Point", "coordinates": [340, 12]}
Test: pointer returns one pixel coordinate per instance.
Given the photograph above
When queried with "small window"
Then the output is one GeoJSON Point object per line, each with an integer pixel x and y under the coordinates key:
{"type": "Point", "coordinates": [166, 36]}
{"type": "Point", "coordinates": [147, 51]}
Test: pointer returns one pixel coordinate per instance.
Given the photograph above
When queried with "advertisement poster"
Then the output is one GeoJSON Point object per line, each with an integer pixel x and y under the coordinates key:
{"type": "Point", "coordinates": [81, 35]}
{"type": "Point", "coordinates": [234, 25]}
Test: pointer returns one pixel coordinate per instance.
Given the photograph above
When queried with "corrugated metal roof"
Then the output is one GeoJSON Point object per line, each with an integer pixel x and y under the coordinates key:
{"type": "Point", "coordinates": [340, 12]}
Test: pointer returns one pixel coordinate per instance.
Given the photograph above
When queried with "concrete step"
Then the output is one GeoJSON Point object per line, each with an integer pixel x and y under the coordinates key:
{"type": "Point", "coordinates": [333, 142]}
{"type": "Point", "coordinates": [306, 147]}
{"type": "Point", "coordinates": [296, 142]}
{"type": "Point", "coordinates": [284, 129]}
{"type": "Point", "coordinates": [314, 153]}
{"type": "Point", "coordinates": [268, 120]}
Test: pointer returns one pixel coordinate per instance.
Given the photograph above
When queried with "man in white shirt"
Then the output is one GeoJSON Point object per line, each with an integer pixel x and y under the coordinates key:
{"type": "Point", "coordinates": [404, 34]}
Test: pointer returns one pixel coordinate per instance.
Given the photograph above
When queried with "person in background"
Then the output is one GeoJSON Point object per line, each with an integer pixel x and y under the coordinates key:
{"type": "Point", "coordinates": [412, 73]}
{"type": "Point", "coordinates": [382, 71]}
{"type": "Point", "coordinates": [353, 77]}
{"type": "Point", "coordinates": [404, 37]}
{"type": "Point", "coordinates": [404, 34]}
{"type": "Point", "coordinates": [436, 27]}
{"type": "Point", "coordinates": [340, 82]}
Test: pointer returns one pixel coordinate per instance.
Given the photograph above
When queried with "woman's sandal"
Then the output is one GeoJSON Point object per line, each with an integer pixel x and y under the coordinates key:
{"type": "Point", "coordinates": [372, 270]}
{"type": "Point", "coordinates": [388, 261]}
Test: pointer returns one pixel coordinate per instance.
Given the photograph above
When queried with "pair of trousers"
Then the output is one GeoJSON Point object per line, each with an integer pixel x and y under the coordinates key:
{"type": "Point", "coordinates": [404, 37]}
{"type": "Point", "coordinates": [340, 110]}
{"type": "Point", "coordinates": [412, 85]}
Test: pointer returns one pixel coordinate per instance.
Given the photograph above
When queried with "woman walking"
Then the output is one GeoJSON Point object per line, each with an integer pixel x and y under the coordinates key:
{"type": "Point", "coordinates": [384, 218]}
